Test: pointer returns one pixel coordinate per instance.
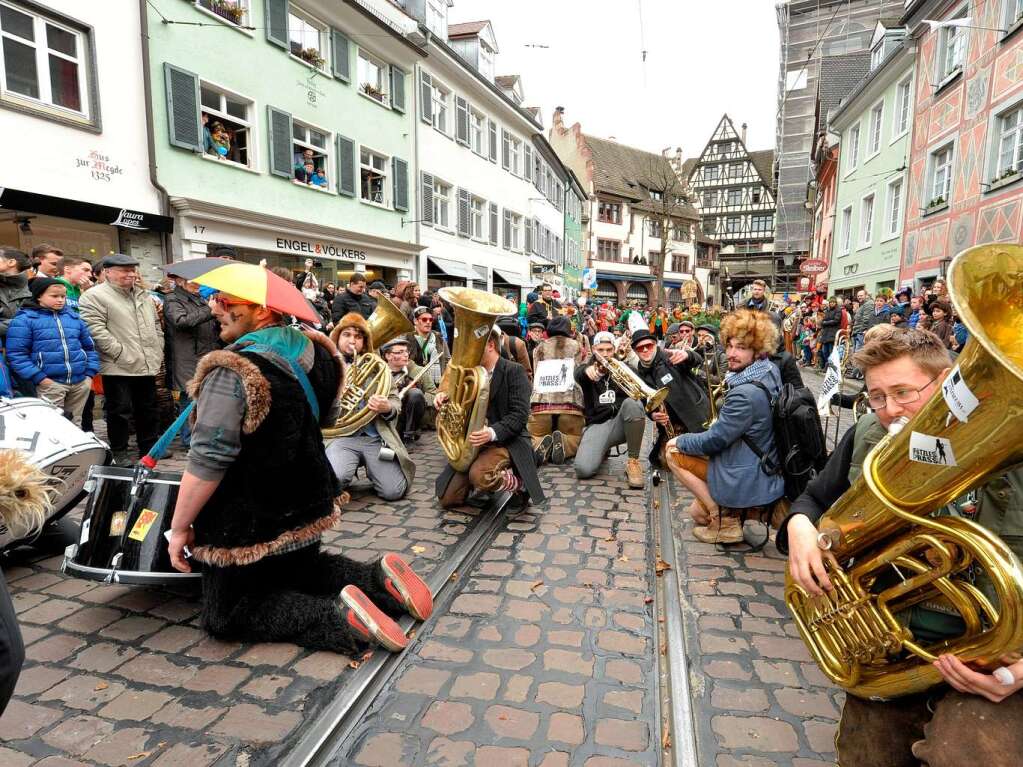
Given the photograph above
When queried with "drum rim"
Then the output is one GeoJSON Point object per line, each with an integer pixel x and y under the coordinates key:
{"type": "Point", "coordinates": [86, 570]}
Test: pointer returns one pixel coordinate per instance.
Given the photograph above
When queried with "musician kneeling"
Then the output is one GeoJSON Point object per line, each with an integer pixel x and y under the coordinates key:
{"type": "Point", "coordinates": [612, 417]}
{"type": "Point", "coordinates": [505, 460]}
{"type": "Point", "coordinates": [416, 398]}
{"type": "Point", "coordinates": [556, 405]}
{"type": "Point", "coordinates": [721, 466]}
{"type": "Point", "coordinates": [258, 493]}
{"type": "Point", "coordinates": [376, 445]}
{"type": "Point", "coordinates": [979, 720]}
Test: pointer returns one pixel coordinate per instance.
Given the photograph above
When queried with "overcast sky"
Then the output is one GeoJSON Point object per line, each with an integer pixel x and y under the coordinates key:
{"type": "Point", "coordinates": [704, 58]}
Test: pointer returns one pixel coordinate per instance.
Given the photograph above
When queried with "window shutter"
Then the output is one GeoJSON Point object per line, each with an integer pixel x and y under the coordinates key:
{"type": "Point", "coordinates": [425, 97]}
{"type": "Point", "coordinates": [277, 22]}
{"type": "Point", "coordinates": [341, 55]}
{"type": "Point", "coordinates": [426, 198]}
{"type": "Point", "coordinates": [183, 119]}
{"type": "Point", "coordinates": [537, 171]}
{"type": "Point", "coordinates": [400, 170]}
{"type": "Point", "coordinates": [527, 163]}
{"type": "Point", "coordinates": [397, 90]}
{"type": "Point", "coordinates": [461, 121]}
{"type": "Point", "coordinates": [493, 223]}
{"type": "Point", "coordinates": [537, 237]}
{"type": "Point", "coordinates": [345, 166]}
{"type": "Point", "coordinates": [464, 224]}
{"type": "Point", "coordinates": [282, 156]}
{"type": "Point", "coordinates": [505, 150]}
{"type": "Point", "coordinates": [492, 128]}
{"type": "Point", "coordinates": [507, 229]}
{"type": "Point", "coordinates": [527, 240]}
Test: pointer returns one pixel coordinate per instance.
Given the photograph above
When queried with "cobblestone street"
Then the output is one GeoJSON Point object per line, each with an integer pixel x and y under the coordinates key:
{"type": "Point", "coordinates": [547, 658]}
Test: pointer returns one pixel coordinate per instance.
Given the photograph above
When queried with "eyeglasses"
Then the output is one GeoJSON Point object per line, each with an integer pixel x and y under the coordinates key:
{"type": "Point", "coordinates": [899, 396]}
{"type": "Point", "coordinates": [645, 347]}
{"type": "Point", "coordinates": [424, 317]}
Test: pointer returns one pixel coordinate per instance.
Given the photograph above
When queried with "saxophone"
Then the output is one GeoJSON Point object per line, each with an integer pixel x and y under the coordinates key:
{"type": "Point", "coordinates": [883, 523]}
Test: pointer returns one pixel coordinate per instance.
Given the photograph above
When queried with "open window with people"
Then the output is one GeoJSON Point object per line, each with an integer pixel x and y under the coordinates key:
{"type": "Point", "coordinates": [373, 177]}
{"type": "Point", "coordinates": [226, 121]}
{"type": "Point", "coordinates": [311, 148]}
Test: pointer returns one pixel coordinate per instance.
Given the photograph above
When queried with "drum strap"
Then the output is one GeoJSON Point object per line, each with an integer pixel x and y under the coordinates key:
{"type": "Point", "coordinates": [159, 448]}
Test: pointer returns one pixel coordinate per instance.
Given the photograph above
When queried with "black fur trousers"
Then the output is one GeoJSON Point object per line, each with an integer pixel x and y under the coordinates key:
{"type": "Point", "coordinates": [289, 597]}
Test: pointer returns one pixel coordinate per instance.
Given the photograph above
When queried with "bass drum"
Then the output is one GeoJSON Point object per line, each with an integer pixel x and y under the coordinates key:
{"type": "Point", "coordinates": [122, 537]}
{"type": "Point", "coordinates": [52, 443]}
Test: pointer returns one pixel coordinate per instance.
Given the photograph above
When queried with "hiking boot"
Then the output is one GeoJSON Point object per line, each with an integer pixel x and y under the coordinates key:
{"type": "Point", "coordinates": [542, 452]}
{"type": "Point", "coordinates": [402, 583]}
{"type": "Point", "coordinates": [558, 448]}
{"type": "Point", "coordinates": [368, 622]}
{"type": "Point", "coordinates": [720, 530]}
{"type": "Point", "coordinates": [634, 473]}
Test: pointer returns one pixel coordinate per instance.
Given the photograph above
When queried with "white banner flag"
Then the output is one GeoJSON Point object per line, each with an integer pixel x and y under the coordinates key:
{"type": "Point", "coordinates": [636, 322]}
{"type": "Point", "coordinates": [832, 382]}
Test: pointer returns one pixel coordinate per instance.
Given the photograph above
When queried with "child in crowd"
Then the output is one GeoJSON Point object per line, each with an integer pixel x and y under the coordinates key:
{"type": "Point", "coordinates": [319, 178]}
{"type": "Point", "coordinates": [50, 345]}
{"type": "Point", "coordinates": [221, 140]}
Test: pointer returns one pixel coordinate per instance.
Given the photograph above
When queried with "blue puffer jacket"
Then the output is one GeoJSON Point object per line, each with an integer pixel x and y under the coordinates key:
{"type": "Point", "coordinates": [42, 343]}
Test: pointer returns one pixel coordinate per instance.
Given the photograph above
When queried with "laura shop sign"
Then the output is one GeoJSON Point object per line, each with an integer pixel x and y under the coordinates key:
{"type": "Point", "coordinates": [328, 249]}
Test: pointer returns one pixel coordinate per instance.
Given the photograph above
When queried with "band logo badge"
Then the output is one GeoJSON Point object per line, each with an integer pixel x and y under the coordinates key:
{"type": "Point", "coordinates": [958, 396]}
{"type": "Point", "coordinates": [937, 451]}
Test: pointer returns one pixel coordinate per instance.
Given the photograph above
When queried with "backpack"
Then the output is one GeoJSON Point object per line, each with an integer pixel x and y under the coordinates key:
{"type": "Point", "coordinates": [798, 437]}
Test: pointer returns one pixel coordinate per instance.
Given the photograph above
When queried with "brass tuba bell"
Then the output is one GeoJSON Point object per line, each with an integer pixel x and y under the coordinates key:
{"type": "Point", "coordinates": [369, 374]}
{"type": "Point", "coordinates": [882, 526]}
{"type": "Point", "coordinates": [465, 380]}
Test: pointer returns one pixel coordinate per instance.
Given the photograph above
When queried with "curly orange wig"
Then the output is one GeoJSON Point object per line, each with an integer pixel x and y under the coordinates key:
{"type": "Point", "coordinates": [754, 330]}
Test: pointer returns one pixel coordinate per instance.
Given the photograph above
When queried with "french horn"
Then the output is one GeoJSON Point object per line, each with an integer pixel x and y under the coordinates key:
{"type": "Point", "coordinates": [368, 375]}
{"type": "Point", "coordinates": [883, 525]}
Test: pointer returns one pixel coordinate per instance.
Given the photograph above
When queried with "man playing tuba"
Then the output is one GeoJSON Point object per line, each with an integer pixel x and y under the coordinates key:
{"type": "Point", "coordinates": [505, 460]}
{"type": "Point", "coordinates": [975, 718]}
{"type": "Point", "coordinates": [376, 445]}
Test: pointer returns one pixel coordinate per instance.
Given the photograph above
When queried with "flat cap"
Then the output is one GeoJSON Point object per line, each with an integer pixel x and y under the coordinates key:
{"type": "Point", "coordinates": [119, 259]}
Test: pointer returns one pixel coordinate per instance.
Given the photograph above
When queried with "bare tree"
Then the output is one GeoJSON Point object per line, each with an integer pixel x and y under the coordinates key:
{"type": "Point", "coordinates": [668, 200]}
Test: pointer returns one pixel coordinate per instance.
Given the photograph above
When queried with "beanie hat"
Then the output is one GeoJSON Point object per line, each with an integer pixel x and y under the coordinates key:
{"type": "Point", "coordinates": [357, 321]}
{"type": "Point", "coordinates": [559, 326]}
{"type": "Point", "coordinates": [39, 285]}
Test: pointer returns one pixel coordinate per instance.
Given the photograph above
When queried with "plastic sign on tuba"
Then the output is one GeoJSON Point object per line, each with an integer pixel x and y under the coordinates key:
{"type": "Point", "coordinates": [891, 553]}
{"type": "Point", "coordinates": [465, 380]}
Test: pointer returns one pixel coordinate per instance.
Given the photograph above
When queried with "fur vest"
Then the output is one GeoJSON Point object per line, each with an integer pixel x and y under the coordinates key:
{"type": "Point", "coordinates": [554, 385]}
{"type": "Point", "coordinates": [280, 492]}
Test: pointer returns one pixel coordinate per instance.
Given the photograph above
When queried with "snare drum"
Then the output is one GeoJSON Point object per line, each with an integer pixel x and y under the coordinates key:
{"type": "Point", "coordinates": [52, 443]}
{"type": "Point", "coordinates": [122, 538]}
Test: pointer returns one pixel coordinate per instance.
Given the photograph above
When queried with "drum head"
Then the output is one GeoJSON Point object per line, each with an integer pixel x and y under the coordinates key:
{"type": "Point", "coordinates": [54, 444]}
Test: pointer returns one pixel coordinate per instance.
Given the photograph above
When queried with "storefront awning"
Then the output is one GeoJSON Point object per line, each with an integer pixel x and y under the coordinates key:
{"type": "Point", "coordinates": [620, 277]}
{"type": "Point", "coordinates": [44, 204]}
{"type": "Point", "coordinates": [522, 280]}
{"type": "Point", "coordinates": [672, 284]}
{"type": "Point", "coordinates": [450, 268]}
{"type": "Point", "coordinates": [480, 273]}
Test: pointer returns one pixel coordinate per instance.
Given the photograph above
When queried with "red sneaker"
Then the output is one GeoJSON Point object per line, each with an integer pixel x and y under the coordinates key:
{"type": "Point", "coordinates": [409, 589]}
{"type": "Point", "coordinates": [369, 621]}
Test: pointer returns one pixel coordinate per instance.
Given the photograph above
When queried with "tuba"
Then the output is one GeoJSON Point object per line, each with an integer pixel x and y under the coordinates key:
{"type": "Point", "coordinates": [465, 380]}
{"type": "Point", "coordinates": [369, 374]}
{"type": "Point", "coordinates": [882, 526]}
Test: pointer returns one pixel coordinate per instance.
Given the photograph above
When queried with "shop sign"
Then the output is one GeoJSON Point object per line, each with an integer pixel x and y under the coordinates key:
{"type": "Point", "coordinates": [545, 269]}
{"type": "Point", "coordinates": [813, 266]}
{"type": "Point", "coordinates": [130, 219]}
{"type": "Point", "coordinates": [332, 250]}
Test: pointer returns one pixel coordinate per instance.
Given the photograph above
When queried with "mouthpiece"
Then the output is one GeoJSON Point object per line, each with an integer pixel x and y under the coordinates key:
{"type": "Point", "coordinates": [897, 425]}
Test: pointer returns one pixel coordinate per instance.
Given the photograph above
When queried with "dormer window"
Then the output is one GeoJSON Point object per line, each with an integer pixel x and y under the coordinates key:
{"type": "Point", "coordinates": [437, 17]}
{"type": "Point", "coordinates": [486, 61]}
{"type": "Point", "coordinates": [877, 55]}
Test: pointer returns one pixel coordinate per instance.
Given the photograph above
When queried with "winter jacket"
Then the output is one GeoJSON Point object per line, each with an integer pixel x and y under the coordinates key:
{"type": "Point", "coordinates": [594, 410]}
{"type": "Point", "coordinates": [126, 329]}
{"type": "Point", "coordinates": [346, 301]}
{"type": "Point", "coordinates": [829, 325]}
{"type": "Point", "coordinates": [191, 332]}
{"type": "Point", "coordinates": [734, 474]}
{"type": "Point", "coordinates": [42, 343]}
{"type": "Point", "coordinates": [13, 293]}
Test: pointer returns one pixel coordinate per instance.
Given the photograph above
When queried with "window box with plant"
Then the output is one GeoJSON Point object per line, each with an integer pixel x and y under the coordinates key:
{"type": "Point", "coordinates": [1006, 177]}
{"type": "Point", "coordinates": [936, 204]}
{"type": "Point", "coordinates": [229, 10]}
{"type": "Point", "coordinates": [312, 56]}
{"type": "Point", "coordinates": [372, 77]}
